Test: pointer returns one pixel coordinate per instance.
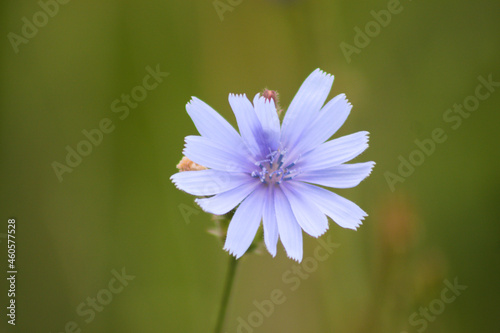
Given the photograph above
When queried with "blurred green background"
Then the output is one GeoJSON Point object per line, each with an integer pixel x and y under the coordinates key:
{"type": "Point", "coordinates": [118, 209]}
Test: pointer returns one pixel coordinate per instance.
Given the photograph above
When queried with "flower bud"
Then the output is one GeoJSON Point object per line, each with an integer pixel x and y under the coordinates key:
{"type": "Point", "coordinates": [187, 165]}
{"type": "Point", "coordinates": [272, 95]}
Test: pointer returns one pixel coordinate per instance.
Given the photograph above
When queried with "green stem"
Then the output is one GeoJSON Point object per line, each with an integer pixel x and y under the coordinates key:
{"type": "Point", "coordinates": [226, 293]}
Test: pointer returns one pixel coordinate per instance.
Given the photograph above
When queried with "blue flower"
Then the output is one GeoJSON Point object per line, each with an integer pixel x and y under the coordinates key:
{"type": "Point", "coordinates": [269, 170]}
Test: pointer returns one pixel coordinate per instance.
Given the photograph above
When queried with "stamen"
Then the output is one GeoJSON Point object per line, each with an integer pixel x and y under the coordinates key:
{"type": "Point", "coordinates": [272, 170]}
{"type": "Point", "coordinates": [280, 158]}
{"type": "Point", "coordinates": [293, 163]}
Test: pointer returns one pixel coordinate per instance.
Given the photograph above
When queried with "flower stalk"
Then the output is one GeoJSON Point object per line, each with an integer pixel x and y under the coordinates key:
{"type": "Point", "coordinates": [228, 286]}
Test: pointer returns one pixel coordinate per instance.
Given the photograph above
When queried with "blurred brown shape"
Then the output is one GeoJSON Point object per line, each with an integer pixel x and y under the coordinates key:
{"type": "Point", "coordinates": [397, 224]}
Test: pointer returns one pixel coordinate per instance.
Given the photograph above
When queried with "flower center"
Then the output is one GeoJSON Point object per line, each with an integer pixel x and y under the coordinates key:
{"type": "Point", "coordinates": [272, 169]}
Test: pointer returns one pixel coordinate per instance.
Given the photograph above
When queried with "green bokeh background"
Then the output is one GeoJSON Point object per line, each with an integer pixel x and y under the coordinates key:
{"type": "Point", "coordinates": [119, 209]}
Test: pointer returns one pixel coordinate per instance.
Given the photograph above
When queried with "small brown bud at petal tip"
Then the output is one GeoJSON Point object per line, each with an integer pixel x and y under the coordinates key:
{"type": "Point", "coordinates": [269, 94]}
{"type": "Point", "coordinates": [272, 95]}
{"type": "Point", "coordinates": [187, 165]}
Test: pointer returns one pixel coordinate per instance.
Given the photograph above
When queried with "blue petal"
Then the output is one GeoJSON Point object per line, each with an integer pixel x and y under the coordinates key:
{"type": "Point", "coordinates": [270, 223]}
{"type": "Point", "coordinates": [210, 124]}
{"type": "Point", "coordinates": [340, 176]}
{"type": "Point", "coordinates": [225, 201]}
{"type": "Point", "coordinates": [342, 211]}
{"type": "Point", "coordinates": [289, 229]}
{"type": "Point", "coordinates": [245, 222]}
{"type": "Point", "coordinates": [248, 123]}
{"type": "Point", "coordinates": [331, 117]}
{"type": "Point", "coordinates": [305, 106]}
{"type": "Point", "coordinates": [209, 182]}
{"type": "Point", "coordinates": [212, 155]}
{"type": "Point", "coordinates": [268, 116]}
{"type": "Point", "coordinates": [309, 217]}
{"type": "Point", "coordinates": [335, 152]}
